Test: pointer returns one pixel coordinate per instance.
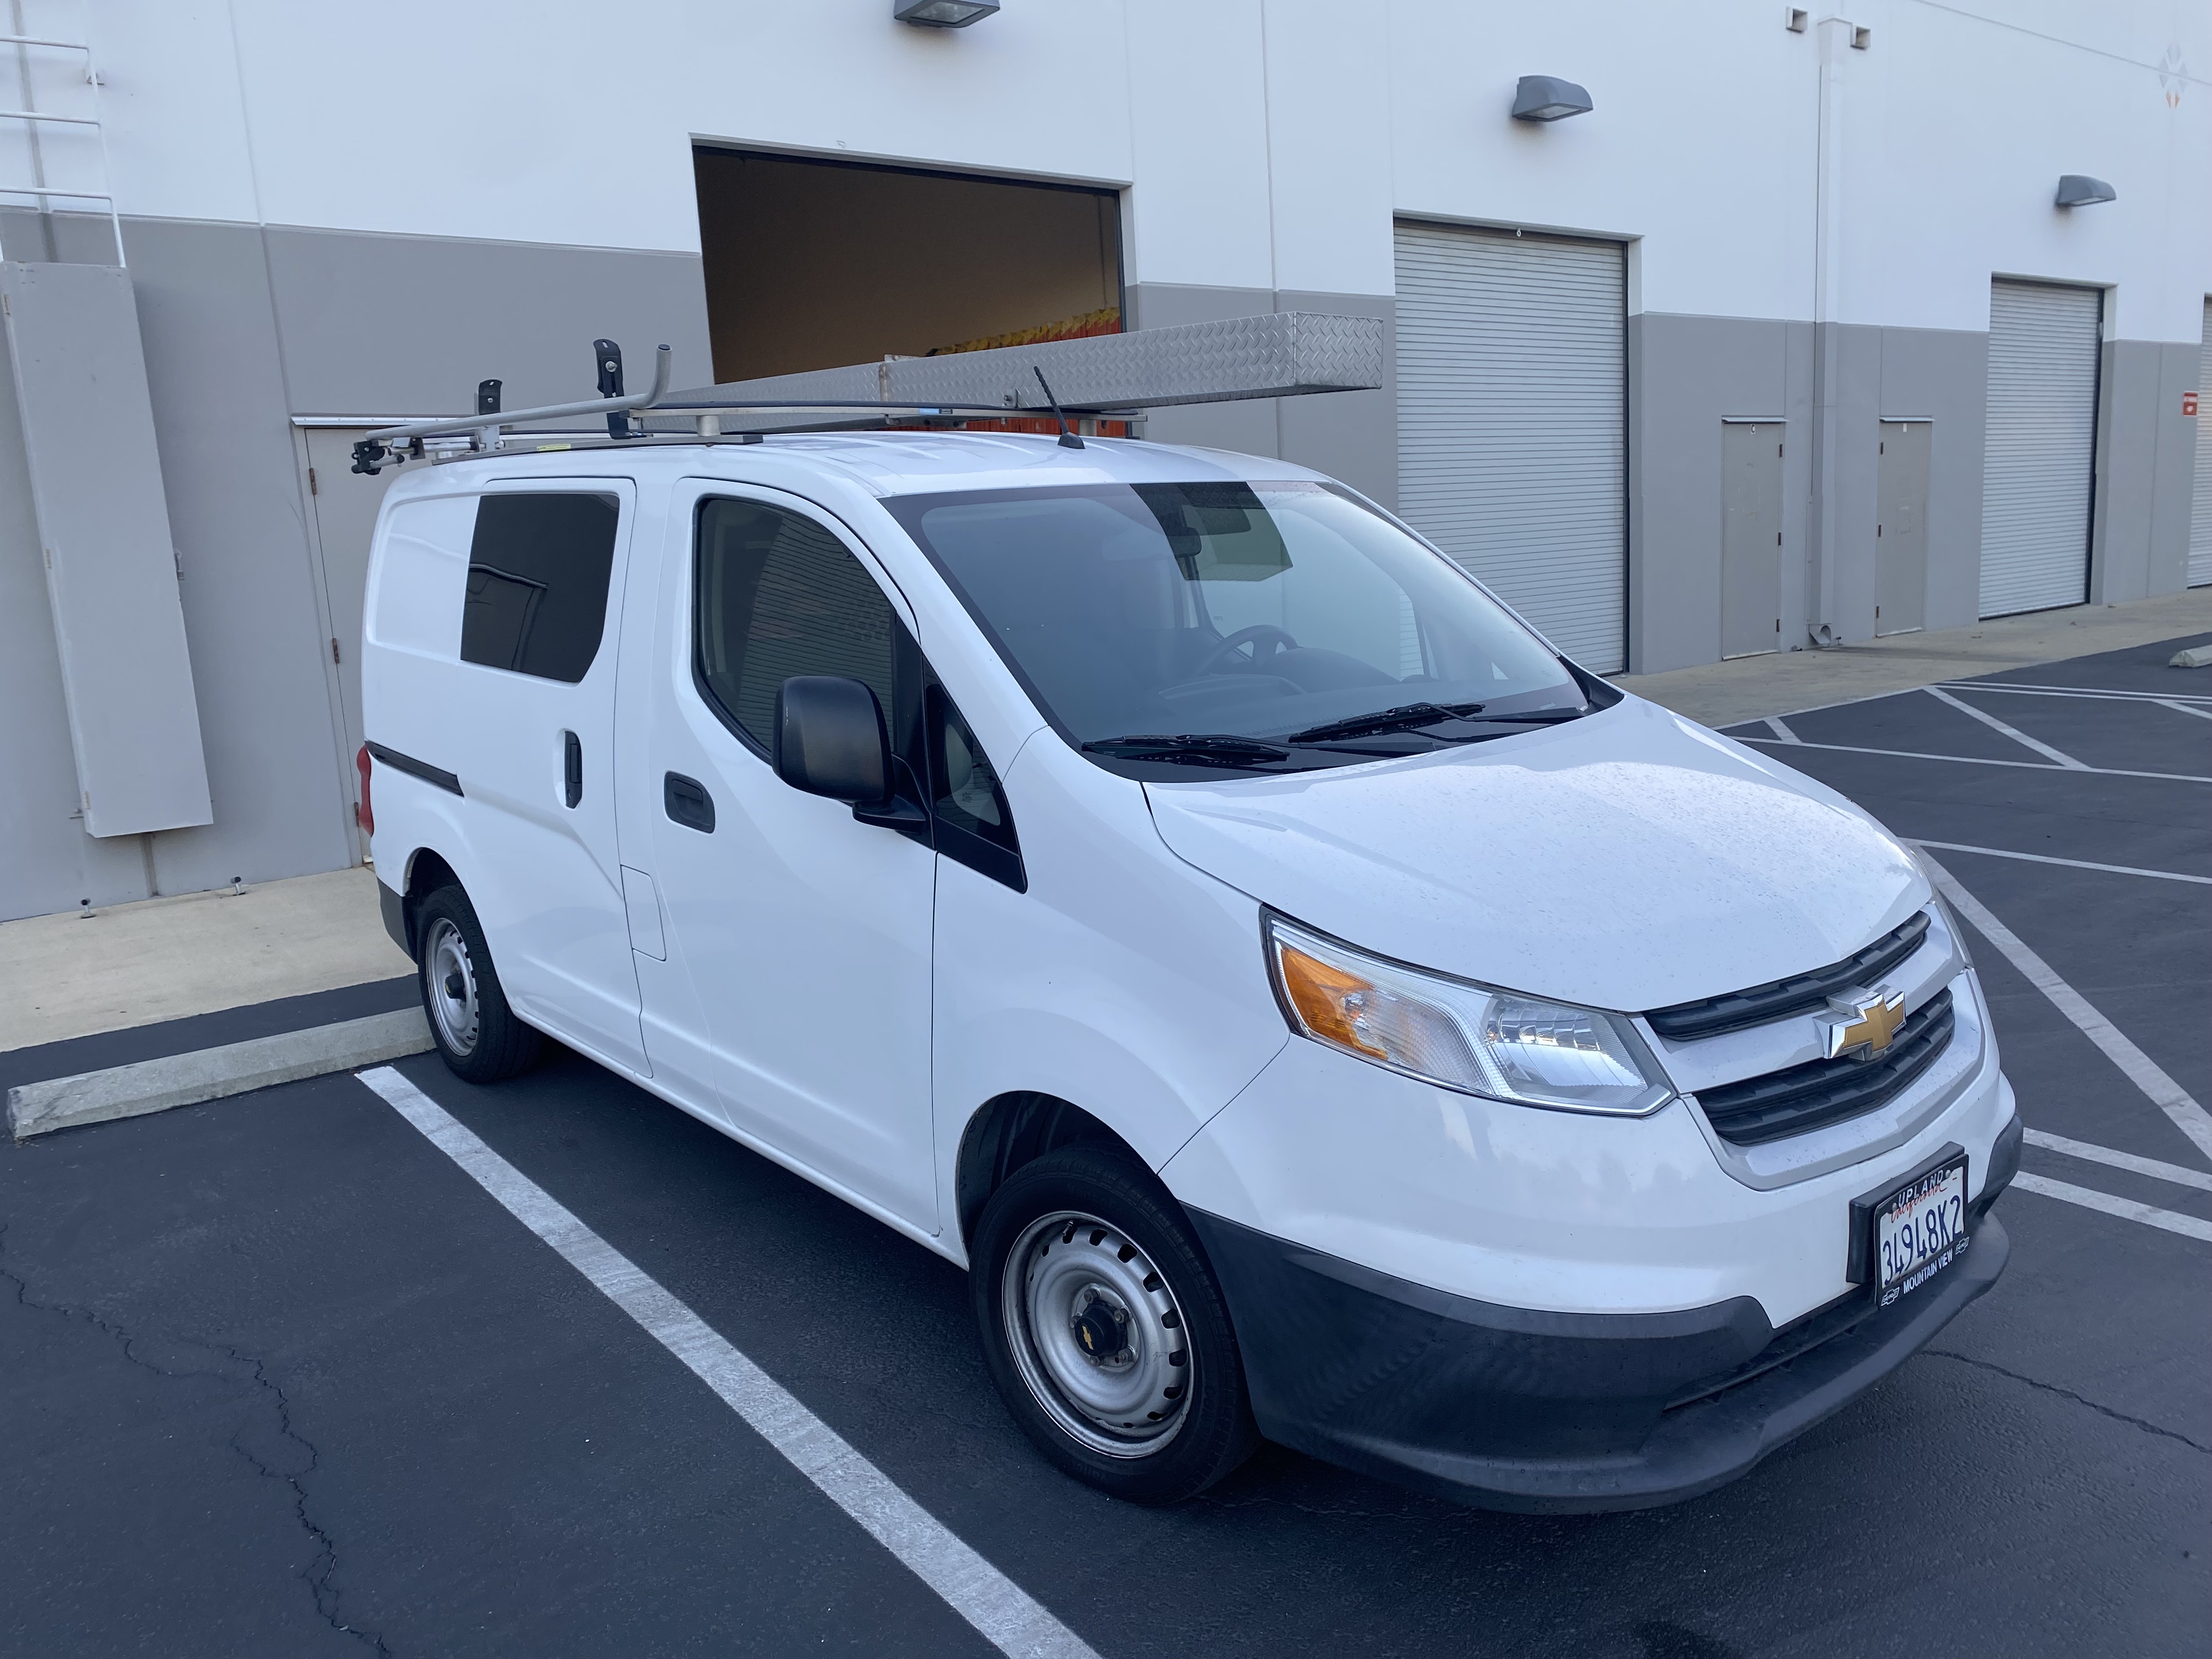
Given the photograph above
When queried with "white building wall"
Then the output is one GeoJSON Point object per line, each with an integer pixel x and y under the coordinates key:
{"type": "Point", "coordinates": [373, 210]}
{"type": "Point", "coordinates": [1969, 124]}
{"type": "Point", "coordinates": [1263, 133]}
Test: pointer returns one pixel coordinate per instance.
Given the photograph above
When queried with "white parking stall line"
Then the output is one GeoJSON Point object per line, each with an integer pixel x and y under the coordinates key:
{"type": "Point", "coordinates": [2070, 864]}
{"type": "Point", "coordinates": [1002, 1611]}
{"type": "Point", "coordinates": [2185, 709]}
{"type": "Point", "coordinates": [1774, 724]}
{"type": "Point", "coordinates": [2126, 1208]}
{"type": "Point", "coordinates": [2093, 693]}
{"type": "Point", "coordinates": [2077, 770]}
{"type": "Point", "coordinates": [2089, 1153]}
{"type": "Point", "coordinates": [1997, 724]}
{"type": "Point", "coordinates": [2169, 1096]}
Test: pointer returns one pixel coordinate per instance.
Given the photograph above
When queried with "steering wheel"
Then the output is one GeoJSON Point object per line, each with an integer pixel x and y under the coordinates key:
{"type": "Point", "coordinates": [1265, 639]}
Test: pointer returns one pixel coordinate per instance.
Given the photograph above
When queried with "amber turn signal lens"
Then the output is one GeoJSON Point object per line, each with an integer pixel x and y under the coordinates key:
{"type": "Point", "coordinates": [1327, 998]}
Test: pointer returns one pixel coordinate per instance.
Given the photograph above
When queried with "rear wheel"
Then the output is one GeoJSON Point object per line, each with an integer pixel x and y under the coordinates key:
{"type": "Point", "coordinates": [477, 1034]}
{"type": "Point", "coordinates": [1105, 1330]}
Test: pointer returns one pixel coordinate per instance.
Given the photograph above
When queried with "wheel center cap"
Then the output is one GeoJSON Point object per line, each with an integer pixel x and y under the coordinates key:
{"type": "Point", "coordinates": [1102, 1330]}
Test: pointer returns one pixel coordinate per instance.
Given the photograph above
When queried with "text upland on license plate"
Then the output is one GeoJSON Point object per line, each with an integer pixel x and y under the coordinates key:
{"type": "Point", "coordinates": [1919, 1229]}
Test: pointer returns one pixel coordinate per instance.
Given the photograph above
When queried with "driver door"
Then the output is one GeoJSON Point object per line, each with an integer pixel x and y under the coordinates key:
{"type": "Point", "coordinates": [795, 968]}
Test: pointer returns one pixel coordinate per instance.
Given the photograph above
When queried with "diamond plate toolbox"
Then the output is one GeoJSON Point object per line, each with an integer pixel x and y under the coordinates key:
{"type": "Point", "coordinates": [1282, 354]}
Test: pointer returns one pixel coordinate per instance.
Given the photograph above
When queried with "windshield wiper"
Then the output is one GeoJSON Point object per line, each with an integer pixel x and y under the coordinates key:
{"type": "Point", "coordinates": [1191, 749]}
{"type": "Point", "coordinates": [1388, 720]}
{"type": "Point", "coordinates": [1401, 719]}
{"type": "Point", "coordinates": [1414, 715]}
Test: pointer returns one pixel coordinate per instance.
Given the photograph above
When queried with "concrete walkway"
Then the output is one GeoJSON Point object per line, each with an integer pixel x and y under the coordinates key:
{"type": "Point", "coordinates": [1785, 682]}
{"type": "Point", "coordinates": [164, 958]}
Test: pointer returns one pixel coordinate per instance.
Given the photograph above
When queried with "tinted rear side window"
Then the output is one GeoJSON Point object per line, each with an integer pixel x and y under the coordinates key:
{"type": "Point", "coordinates": [779, 595]}
{"type": "Point", "coordinates": [536, 599]}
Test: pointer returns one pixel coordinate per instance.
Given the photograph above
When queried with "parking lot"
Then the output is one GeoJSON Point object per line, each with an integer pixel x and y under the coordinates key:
{"type": "Point", "coordinates": [283, 1374]}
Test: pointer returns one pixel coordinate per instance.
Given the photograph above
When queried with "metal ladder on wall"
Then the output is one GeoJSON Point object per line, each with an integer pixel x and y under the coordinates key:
{"type": "Point", "coordinates": [37, 126]}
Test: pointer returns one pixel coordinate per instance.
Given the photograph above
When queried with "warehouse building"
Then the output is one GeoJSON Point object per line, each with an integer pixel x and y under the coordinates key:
{"type": "Point", "coordinates": [1714, 329]}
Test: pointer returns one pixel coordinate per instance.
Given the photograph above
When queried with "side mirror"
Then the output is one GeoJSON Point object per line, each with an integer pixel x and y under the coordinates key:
{"type": "Point", "coordinates": [829, 738]}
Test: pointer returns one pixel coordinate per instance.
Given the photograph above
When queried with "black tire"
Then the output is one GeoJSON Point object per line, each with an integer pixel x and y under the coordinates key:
{"type": "Point", "coordinates": [476, 1033]}
{"type": "Point", "coordinates": [1154, 1456]}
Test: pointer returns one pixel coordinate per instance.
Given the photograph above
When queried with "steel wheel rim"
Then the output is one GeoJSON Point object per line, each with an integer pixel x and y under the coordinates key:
{"type": "Point", "coordinates": [445, 966]}
{"type": "Point", "coordinates": [1073, 1285]}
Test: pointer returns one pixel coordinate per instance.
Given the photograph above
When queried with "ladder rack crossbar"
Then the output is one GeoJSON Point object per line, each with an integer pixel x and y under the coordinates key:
{"type": "Point", "coordinates": [647, 403]}
{"type": "Point", "coordinates": [38, 115]}
{"type": "Point", "coordinates": [456, 425]}
{"type": "Point", "coordinates": [913, 405]}
{"type": "Point", "coordinates": [35, 40]}
{"type": "Point", "coordinates": [41, 190]}
{"type": "Point", "coordinates": [1270, 355]}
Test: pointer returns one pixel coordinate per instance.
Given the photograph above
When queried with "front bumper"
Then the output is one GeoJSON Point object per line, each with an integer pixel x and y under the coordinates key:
{"type": "Point", "coordinates": [1517, 1409]}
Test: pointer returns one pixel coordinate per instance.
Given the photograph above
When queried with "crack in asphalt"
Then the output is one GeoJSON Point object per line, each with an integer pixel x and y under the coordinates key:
{"type": "Point", "coordinates": [2147, 1426]}
{"type": "Point", "coordinates": [324, 1566]}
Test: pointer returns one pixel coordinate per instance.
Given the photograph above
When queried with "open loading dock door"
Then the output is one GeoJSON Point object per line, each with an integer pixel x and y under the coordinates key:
{"type": "Point", "coordinates": [815, 264]}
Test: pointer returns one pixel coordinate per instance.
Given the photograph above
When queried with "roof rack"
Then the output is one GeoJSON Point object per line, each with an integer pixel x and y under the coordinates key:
{"type": "Point", "coordinates": [1275, 355]}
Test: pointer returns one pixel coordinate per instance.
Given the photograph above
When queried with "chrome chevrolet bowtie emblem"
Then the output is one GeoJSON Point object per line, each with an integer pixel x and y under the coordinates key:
{"type": "Point", "coordinates": [1863, 1026]}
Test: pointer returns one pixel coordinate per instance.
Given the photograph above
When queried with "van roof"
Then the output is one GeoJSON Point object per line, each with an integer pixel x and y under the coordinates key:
{"type": "Point", "coordinates": [908, 463]}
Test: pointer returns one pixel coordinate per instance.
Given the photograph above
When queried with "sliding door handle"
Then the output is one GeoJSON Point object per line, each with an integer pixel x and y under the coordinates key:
{"type": "Point", "coordinates": [572, 766]}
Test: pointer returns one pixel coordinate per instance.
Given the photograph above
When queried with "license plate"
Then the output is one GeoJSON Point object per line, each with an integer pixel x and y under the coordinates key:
{"type": "Point", "coordinates": [1919, 1229]}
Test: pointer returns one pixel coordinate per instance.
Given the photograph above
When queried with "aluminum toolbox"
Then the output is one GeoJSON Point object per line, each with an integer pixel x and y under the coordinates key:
{"type": "Point", "coordinates": [1278, 354]}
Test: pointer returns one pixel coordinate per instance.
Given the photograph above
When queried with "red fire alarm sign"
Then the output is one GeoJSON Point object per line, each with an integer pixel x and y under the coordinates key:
{"type": "Point", "coordinates": [2189, 403]}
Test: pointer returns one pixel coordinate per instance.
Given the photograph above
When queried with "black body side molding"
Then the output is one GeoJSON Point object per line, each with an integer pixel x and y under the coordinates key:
{"type": "Point", "coordinates": [415, 769]}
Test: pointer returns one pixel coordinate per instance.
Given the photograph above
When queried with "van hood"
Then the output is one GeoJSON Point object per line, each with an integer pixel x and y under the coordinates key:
{"type": "Point", "coordinates": [1627, 860]}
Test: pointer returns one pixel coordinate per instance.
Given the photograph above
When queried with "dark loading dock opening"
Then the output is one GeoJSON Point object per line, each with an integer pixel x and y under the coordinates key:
{"type": "Point", "coordinates": [813, 264]}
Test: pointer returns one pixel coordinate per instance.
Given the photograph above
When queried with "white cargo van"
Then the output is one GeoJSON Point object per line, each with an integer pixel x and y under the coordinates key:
{"type": "Point", "coordinates": [1156, 880]}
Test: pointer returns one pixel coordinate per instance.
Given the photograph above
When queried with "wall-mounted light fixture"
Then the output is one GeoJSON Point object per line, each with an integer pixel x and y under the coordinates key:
{"type": "Point", "coordinates": [942, 14]}
{"type": "Point", "coordinates": [2079, 189]}
{"type": "Point", "coordinates": [1547, 98]}
{"type": "Point", "coordinates": [1797, 19]}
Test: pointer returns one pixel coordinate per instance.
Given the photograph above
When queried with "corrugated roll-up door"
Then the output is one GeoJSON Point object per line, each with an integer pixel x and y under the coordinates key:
{"type": "Point", "coordinates": [2200, 508]}
{"type": "Point", "coordinates": [2042, 445]}
{"type": "Point", "coordinates": [1512, 422]}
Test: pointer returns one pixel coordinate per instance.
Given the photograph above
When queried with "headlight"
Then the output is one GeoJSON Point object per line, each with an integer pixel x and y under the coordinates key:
{"type": "Point", "coordinates": [1463, 1035]}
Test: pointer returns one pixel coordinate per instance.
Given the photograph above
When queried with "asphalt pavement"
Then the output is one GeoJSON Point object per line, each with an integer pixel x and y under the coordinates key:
{"type": "Point", "coordinates": [279, 1377]}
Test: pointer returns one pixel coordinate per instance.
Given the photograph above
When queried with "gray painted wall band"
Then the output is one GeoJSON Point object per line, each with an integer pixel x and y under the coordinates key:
{"type": "Point", "coordinates": [2146, 468]}
{"type": "Point", "coordinates": [1685, 375]}
{"type": "Point", "coordinates": [245, 329]}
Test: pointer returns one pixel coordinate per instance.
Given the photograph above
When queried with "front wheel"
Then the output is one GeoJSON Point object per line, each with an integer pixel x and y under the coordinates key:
{"type": "Point", "coordinates": [477, 1034]}
{"type": "Point", "coordinates": [1105, 1330]}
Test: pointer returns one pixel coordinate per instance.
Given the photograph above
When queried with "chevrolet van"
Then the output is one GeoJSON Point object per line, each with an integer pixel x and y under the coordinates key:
{"type": "Point", "coordinates": [1309, 1005]}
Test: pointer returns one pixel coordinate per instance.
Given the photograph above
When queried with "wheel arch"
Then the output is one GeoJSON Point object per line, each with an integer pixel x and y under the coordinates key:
{"type": "Point", "coordinates": [425, 872]}
{"type": "Point", "coordinates": [1016, 1128]}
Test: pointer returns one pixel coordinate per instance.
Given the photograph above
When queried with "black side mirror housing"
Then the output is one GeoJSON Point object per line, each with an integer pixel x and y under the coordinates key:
{"type": "Point", "coordinates": [829, 740]}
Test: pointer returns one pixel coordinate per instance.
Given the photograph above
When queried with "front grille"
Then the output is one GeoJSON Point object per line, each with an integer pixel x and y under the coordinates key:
{"type": "Point", "coordinates": [1732, 1011]}
{"type": "Point", "coordinates": [1824, 1091]}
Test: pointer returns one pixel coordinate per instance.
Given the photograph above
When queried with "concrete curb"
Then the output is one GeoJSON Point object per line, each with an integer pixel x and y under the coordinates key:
{"type": "Point", "coordinates": [156, 1085]}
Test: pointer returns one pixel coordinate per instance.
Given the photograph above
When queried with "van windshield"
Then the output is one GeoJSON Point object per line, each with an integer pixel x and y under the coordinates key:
{"type": "Point", "coordinates": [1266, 626]}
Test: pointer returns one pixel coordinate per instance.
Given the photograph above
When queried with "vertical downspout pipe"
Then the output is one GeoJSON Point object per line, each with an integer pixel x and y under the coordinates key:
{"type": "Point", "coordinates": [1835, 39]}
